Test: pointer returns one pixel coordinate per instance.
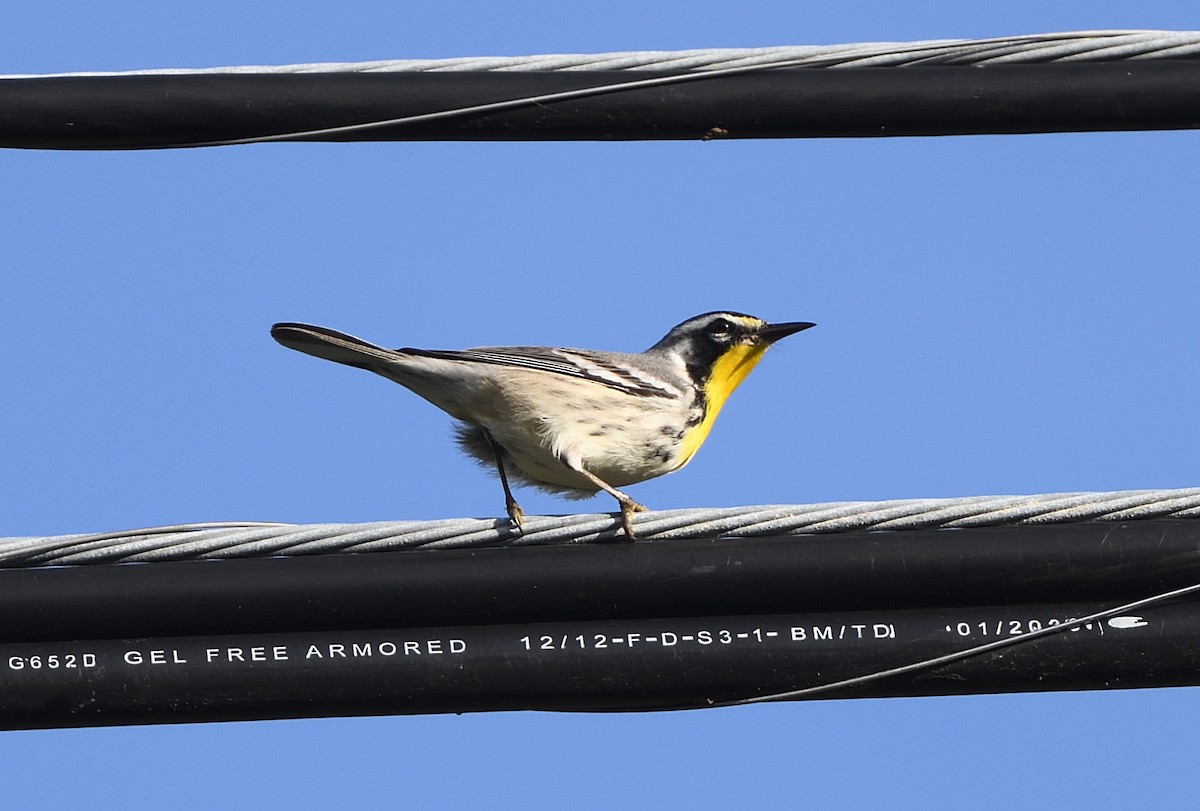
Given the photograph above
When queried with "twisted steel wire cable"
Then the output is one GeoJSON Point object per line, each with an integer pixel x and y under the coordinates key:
{"type": "Point", "coordinates": [1072, 46]}
{"type": "Point", "coordinates": [232, 540]}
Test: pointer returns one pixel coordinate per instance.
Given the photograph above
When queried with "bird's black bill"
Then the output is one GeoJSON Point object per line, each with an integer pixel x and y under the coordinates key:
{"type": "Point", "coordinates": [773, 332]}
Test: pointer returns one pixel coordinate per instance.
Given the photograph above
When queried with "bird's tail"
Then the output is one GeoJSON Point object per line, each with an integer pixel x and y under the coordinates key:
{"type": "Point", "coordinates": [329, 344]}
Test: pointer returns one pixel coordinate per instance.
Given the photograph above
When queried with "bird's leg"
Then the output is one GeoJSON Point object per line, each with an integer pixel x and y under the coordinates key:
{"type": "Point", "coordinates": [510, 504]}
{"type": "Point", "coordinates": [628, 505]}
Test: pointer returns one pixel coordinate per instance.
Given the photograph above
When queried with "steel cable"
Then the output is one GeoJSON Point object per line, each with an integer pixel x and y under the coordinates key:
{"type": "Point", "coordinates": [233, 540]}
{"type": "Point", "coordinates": [1073, 46]}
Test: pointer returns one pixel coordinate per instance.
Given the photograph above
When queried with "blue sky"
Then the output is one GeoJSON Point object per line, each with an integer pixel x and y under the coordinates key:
{"type": "Point", "coordinates": [996, 315]}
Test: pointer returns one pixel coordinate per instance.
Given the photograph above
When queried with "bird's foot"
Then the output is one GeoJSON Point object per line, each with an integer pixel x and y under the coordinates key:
{"type": "Point", "coordinates": [516, 515]}
{"type": "Point", "coordinates": [628, 508]}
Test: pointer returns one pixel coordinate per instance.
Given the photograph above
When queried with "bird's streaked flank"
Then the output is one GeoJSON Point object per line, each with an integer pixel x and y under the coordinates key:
{"type": "Point", "coordinates": [572, 421]}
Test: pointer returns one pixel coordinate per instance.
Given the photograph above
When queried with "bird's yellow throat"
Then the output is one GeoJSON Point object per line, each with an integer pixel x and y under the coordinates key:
{"type": "Point", "coordinates": [727, 373]}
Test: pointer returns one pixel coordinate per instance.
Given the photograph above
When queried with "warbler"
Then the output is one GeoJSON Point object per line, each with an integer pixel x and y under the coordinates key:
{"type": "Point", "coordinates": [572, 421]}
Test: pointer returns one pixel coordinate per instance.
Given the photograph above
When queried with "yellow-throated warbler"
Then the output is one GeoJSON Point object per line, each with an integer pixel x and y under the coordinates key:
{"type": "Point", "coordinates": [572, 421]}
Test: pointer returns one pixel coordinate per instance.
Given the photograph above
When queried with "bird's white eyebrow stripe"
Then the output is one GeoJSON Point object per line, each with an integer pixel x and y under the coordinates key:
{"type": "Point", "coordinates": [571, 363]}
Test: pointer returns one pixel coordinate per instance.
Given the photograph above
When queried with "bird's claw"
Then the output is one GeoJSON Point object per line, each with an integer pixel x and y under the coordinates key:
{"type": "Point", "coordinates": [516, 515]}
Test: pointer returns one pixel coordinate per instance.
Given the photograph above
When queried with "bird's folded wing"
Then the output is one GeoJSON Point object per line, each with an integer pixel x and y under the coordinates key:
{"type": "Point", "coordinates": [579, 363]}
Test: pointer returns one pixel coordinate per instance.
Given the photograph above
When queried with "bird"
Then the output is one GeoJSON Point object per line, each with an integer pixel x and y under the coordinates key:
{"type": "Point", "coordinates": [572, 421]}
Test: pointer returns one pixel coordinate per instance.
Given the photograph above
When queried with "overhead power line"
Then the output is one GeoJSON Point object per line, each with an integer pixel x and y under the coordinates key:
{"type": "Point", "coordinates": [220, 622]}
{"type": "Point", "coordinates": [1106, 80]}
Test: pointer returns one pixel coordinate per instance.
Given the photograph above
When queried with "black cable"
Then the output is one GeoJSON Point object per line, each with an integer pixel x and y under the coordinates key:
{"type": "Point", "coordinates": [653, 625]}
{"type": "Point", "coordinates": [158, 111]}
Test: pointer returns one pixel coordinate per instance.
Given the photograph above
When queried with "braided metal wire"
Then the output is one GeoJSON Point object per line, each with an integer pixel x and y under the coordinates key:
{"type": "Point", "coordinates": [1075, 46]}
{"type": "Point", "coordinates": [233, 540]}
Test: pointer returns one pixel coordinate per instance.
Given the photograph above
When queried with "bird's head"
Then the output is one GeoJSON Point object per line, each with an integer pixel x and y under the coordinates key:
{"type": "Point", "coordinates": [719, 349]}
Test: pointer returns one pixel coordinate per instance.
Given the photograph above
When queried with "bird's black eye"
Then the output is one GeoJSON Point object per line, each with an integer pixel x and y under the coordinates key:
{"type": "Point", "coordinates": [720, 329]}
